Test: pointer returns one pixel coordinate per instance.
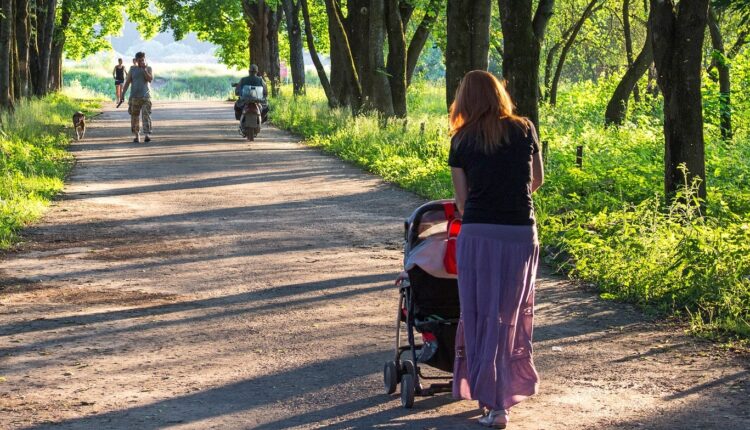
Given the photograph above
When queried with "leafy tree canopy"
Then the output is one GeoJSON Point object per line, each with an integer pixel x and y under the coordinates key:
{"type": "Point", "coordinates": [91, 22]}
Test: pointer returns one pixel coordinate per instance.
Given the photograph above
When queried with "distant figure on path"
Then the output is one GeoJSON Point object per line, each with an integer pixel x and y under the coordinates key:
{"type": "Point", "coordinates": [139, 103]}
{"type": "Point", "coordinates": [255, 80]}
{"type": "Point", "coordinates": [496, 166]}
{"type": "Point", "coordinates": [252, 79]}
{"type": "Point", "coordinates": [119, 75]}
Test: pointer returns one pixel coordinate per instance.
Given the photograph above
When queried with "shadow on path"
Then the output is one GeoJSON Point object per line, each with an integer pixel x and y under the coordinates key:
{"type": "Point", "coordinates": [237, 397]}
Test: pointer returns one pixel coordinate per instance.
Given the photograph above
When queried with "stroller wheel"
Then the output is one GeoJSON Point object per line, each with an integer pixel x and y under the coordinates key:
{"type": "Point", "coordinates": [408, 368]}
{"type": "Point", "coordinates": [407, 391]}
{"type": "Point", "coordinates": [390, 377]}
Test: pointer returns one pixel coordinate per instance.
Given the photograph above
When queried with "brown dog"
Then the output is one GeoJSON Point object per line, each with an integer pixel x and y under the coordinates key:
{"type": "Point", "coordinates": [79, 123]}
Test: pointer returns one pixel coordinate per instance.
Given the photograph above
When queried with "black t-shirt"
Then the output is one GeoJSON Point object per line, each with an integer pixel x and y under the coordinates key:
{"type": "Point", "coordinates": [499, 183]}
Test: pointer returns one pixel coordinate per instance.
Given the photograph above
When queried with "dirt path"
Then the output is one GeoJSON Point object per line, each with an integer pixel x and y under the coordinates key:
{"type": "Point", "coordinates": [192, 283]}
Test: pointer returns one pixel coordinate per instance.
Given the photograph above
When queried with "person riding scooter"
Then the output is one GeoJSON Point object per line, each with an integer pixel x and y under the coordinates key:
{"type": "Point", "coordinates": [256, 81]}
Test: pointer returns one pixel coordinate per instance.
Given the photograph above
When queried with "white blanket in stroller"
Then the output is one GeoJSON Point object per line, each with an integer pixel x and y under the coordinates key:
{"type": "Point", "coordinates": [430, 254]}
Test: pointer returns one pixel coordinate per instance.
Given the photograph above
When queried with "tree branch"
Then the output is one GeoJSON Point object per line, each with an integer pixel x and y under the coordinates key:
{"type": "Point", "coordinates": [406, 9]}
{"type": "Point", "coordinates": [568, 43]}
{"type": "Point", "coordinates": [543, 13]}
{"type": "Point", "coordinates": [741, 41]}
{"type": "Point", "coordinates": [418, 40]}
{"type": "Point", "coordinates": [332, 100]}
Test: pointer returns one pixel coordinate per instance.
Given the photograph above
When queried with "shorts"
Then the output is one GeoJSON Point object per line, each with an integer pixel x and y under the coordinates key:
{"type": "Point", "coordinates": [119, 81]}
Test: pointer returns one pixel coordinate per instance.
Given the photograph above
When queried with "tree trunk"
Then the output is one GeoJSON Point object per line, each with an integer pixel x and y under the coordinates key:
{"type": "Point", "coordinates": [257, 15]}
{"type": "Point", "coordinates": [342, 54]}
{"type": "Point", "coordinates": [45, 45]}
{"type": "Point", "coordinates": [36, 30]}
{"type": "Point", "coordinates": [296, 57]}
{"type": "Point", "coordinates": [324, 82]}
{"type": "Point", "coordinates": [405, 10]}
{"type": "Point", "coordinates": [725, 87]}
{"type": "Point", "coordinates": [548, 66]}
{"type": "Point", "coordinates": [652, 87]}
{"type": "Point", "coordinates": [274, 70]}
{"type": "Point", "coordinates": [551, 59]}
{"type": "Point", "coordinates": [566, 48]}
{"type": "Point", "coordinates": [58, 47]}
{"type": "Point", "coordinates": [340, 79]}
{"type": "Point", "coordinates": [629, 43]}
{"type": "Point", "coordinates": [522, 38]}
{"type": "Point", "coordinates": [55, 69]}
{"type": "Point", "coordinates": [468, 44]}
{"type": "Point", "coordinates": [396, 57]}
{"type": "Point", "coordinates": [379, 89]}
{"type": "Point", "coordinates": [358, 31]}
{"type": "Point", "coordinates": [6, 38]}
{"type": "Point", "coordinates": [35, 33]}
{"type": "Point", "coordinates": [421, 34]}
{"type": "Point", "coordinates": [677, 37]}
{"type": "Point", "coordinates": [22, 46]}
{"type": "Point", "coordinates": [618, 104]}
{"type": "Point", "coordinates": [15, 76]}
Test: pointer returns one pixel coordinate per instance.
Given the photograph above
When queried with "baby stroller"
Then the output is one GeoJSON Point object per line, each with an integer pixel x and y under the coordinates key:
{"type": "Point", "coordinates": [428, 302]}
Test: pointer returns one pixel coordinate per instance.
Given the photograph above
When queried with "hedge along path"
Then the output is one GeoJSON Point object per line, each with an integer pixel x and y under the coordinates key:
{"type": "Point", "coordinates": [192, 283]}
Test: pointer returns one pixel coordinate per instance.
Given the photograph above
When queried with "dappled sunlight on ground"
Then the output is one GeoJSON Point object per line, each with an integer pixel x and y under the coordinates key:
{"type": "Point", "coordinates": [201, 281]}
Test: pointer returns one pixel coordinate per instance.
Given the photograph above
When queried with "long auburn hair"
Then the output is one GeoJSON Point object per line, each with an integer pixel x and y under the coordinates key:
{"type": "Point", "coordinates": [483, 108]}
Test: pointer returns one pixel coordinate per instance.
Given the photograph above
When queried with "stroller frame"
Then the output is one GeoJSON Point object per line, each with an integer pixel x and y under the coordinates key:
{"type": "Point", "coordinates": [407, 371]}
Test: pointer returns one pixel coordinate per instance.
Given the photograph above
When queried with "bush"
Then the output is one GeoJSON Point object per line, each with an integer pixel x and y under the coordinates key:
{"type": "Point", "coordinates": [33, 158]}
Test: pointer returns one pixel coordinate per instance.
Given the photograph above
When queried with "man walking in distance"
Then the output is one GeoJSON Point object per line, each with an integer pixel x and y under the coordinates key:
{"type": "Point", "coordinates": [139, 103]}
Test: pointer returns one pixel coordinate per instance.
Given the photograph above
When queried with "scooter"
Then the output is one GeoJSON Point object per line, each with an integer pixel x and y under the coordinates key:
{"type": "Point", "coordinates": [249, 111]}
{"type": "Point", "coordinates": [250, 120]}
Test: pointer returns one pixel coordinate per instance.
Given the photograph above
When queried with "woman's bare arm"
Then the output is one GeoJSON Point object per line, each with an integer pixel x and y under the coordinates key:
{"type": "Point", "coordinates": [460, 187]}
{"type": "Point", "coordinates": [537, 171]}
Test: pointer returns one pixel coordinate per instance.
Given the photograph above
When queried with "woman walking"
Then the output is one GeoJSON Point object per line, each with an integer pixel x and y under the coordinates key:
{"type": "Point", "coordinates": [119, 75]}
{"type": "Point", "coordinates": [495, 166]}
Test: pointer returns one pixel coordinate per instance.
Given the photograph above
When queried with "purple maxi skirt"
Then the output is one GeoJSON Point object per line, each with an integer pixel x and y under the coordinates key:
{"type": "Point", "coordinates": [496, 275]}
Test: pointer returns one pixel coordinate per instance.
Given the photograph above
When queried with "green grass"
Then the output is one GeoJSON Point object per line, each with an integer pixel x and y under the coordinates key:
{"type": "Point", "coordinates": [606, 223]}
{"type": "Point", "coordinates": [33, 157]}
{"type": "Point", "coordinates": [172, 82]}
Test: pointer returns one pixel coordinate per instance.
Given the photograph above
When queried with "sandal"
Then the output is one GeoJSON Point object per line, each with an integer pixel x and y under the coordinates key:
{"type": "Point", "coordinates": [497, 419]}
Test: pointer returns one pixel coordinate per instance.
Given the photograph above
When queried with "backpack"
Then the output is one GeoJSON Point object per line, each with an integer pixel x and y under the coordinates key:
{"type": "Point", "coordinates": [252, 92]}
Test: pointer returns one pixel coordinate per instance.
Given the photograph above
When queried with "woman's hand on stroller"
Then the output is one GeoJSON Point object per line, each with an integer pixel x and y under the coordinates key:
{"type": "Point", "coordinates": [403, 276]}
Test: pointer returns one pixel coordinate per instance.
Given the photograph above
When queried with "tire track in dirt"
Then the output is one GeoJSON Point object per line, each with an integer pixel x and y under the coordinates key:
{"type": "Point", "coordinates": [203, 282]}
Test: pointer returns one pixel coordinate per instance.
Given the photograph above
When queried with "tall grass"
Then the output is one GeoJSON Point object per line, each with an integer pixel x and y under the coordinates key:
{"type": "Point", "coordinates": [605, 223]}
{"type": "Point", "coordinates": [33, 158]}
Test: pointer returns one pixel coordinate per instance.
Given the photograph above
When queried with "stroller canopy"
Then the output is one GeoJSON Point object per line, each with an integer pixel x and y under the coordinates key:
{"type": "Point", "coordinates": [428, 233]}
